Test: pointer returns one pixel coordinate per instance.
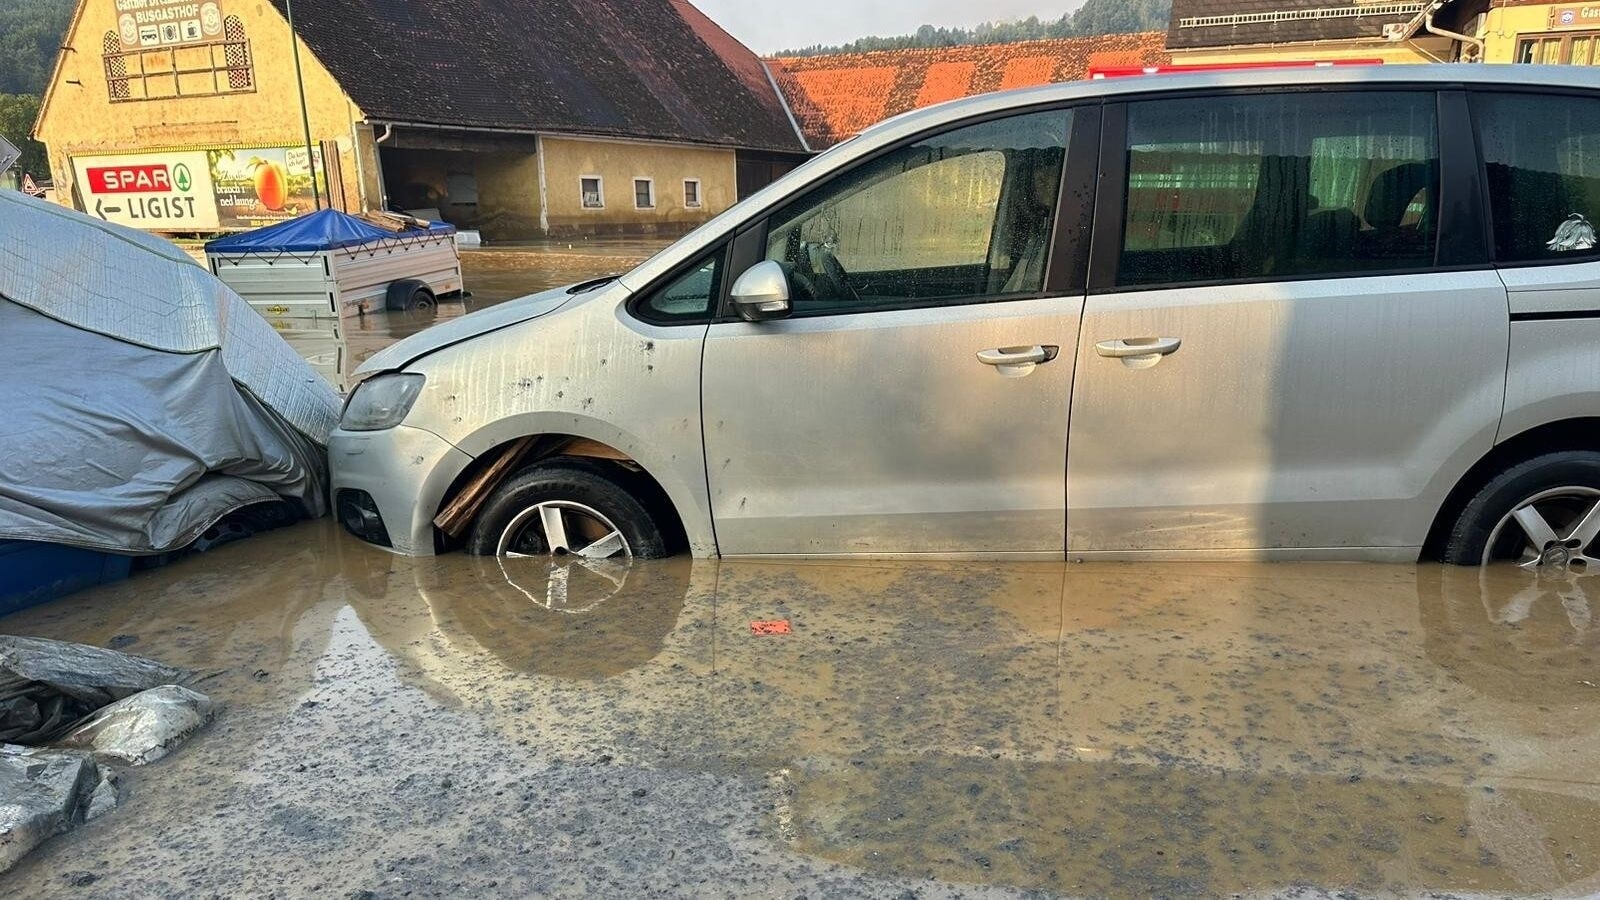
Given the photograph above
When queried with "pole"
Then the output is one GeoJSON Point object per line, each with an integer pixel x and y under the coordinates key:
{"type": "Point", "coordinates": [305, 114]}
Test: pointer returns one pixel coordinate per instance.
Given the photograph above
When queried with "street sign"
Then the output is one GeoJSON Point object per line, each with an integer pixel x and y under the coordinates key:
{"type": "Point", "coordinates": [30, 188]}
{"type": "Point", "coordinates": [9, 155]}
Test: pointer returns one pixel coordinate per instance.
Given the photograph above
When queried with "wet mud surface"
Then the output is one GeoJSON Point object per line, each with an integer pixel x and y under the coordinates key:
{"type": "Point", "coordinates": [462, 727]}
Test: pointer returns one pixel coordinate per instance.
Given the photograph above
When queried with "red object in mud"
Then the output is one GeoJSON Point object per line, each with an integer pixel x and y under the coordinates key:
{"type": "Point", "coordinates": [1125, 71]}
{"type": "Point", "coordinates": [765, 629]}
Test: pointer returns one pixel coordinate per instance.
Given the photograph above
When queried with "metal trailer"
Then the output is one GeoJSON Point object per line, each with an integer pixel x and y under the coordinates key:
{"type": "Point", "coordinates": [329, 265]}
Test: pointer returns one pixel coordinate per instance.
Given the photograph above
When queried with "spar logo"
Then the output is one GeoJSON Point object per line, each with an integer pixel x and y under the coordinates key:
{"type": "Point", "coordinates": [145, 192]}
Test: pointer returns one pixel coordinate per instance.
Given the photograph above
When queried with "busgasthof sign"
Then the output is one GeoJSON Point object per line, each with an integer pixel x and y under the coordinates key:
{"type": "Point", "coordinates": [1575, 16]}
{"type": "Point", "coordinates": [166, 23]}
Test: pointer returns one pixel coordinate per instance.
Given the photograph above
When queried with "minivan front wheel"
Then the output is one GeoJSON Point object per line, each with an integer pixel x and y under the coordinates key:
{"type": "Point", "coordinates": [1543, 513]}
{"type": "Point", "coordinates": [565, 508]}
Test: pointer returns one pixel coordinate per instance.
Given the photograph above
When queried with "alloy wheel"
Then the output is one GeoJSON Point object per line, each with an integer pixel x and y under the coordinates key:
{"type": "Point", "coordinates": [1552, 529]}
{"type": "Point", "coordinates": [563, 528]}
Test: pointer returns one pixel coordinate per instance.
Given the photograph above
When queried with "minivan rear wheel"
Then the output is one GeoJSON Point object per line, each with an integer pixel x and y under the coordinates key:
{"type": "Point", "coordinates": [1543, 513]}
{"type": "Point", "coordinates": [565, 508]}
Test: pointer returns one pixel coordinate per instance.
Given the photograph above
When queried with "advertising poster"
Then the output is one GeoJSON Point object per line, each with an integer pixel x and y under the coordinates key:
{"type": "Point", "coordinates": [262, 185]}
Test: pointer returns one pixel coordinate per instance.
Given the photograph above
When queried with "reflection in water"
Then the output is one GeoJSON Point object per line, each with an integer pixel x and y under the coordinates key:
{"type": "Point", "coordinates": [1095, 729]}
{"type": "Point", "coordinates": [1526, 637]}
{"type": "Point", "coordinates": [570, 619]}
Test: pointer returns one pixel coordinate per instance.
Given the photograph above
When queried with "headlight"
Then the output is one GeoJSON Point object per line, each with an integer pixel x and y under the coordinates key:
{"type": "Point", "coordinates": [381, 403]}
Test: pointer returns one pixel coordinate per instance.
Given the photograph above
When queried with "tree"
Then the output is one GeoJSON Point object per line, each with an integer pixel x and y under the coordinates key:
{"type": "Point", "coordinates": [17, 112]}
{"type": "Point", "coordinates": [1095, 17]}
{"type": "Point", "coordinates": [31, 33]}
{"type": "Point", "coordinates": [1121, 16]}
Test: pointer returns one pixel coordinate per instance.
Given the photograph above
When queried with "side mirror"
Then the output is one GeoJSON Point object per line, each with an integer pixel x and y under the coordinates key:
{"type": "Point", "coordinates": [762, 293]}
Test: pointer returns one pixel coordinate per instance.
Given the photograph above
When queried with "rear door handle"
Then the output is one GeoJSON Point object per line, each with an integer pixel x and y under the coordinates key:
{"type": "Point", "coordinates": [1018, 356]}
{"type": "Point", "coordinates": [1138, 348]}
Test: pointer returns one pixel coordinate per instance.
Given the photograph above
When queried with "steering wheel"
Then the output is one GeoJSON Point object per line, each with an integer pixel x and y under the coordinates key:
{"type": "Point", "coordinates": [827, 279]}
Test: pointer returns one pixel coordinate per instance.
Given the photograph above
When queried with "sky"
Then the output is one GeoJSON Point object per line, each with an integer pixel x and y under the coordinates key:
{"type": "Point", "coordinates": [769, 25]}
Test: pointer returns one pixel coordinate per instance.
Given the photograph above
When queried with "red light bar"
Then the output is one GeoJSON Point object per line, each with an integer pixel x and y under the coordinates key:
{"type": "Point", "coordinates": [1126, 71]}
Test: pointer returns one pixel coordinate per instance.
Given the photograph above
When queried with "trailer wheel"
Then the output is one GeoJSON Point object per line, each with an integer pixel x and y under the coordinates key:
{"type": "Point", "coordinates": [410, 296]}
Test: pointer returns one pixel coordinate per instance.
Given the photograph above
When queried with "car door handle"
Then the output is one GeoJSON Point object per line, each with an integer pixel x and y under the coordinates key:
{"type": "Point", "coordinates": [1018, 356]}
{"type": "Point", "coordinates": [1136, 348]}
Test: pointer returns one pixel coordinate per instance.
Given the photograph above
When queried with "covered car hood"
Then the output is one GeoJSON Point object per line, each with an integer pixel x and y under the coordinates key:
{"type": "Point", "coordinates": [446, 334]}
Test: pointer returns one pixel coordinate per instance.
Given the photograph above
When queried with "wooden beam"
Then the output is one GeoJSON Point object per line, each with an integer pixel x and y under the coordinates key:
{"type": "Point", "coordinates": [455, 517]}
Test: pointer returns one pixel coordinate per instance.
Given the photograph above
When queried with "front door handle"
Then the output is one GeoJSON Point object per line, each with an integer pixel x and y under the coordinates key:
{"type": "Point", "coordinates": [1018, 356]}
{"type": "Point", "coordinates": [1139, 352]}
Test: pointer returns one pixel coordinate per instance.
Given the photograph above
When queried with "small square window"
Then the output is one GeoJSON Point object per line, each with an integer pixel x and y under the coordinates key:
{"type": "Point", "coordinates": [644, 193]}
{"type": "Point", "coordinates": [594, 192]}
{"type": "Point", "coordinates": [691, 193]}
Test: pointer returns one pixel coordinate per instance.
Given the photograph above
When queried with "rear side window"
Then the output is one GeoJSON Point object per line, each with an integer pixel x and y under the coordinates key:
{"type": "Point", "coordinates": [1280, 185]}
{"type": "Point", "coordinates": [1543, 160]}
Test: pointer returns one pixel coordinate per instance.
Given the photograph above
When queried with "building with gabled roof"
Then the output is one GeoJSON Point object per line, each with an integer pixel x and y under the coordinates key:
{"type": "Point", "coordinates": [515, 117]}
{"type": "Point", "coordinates": [1211, 32]}
{"type": "Point", "coordinates": [1492, 31]}
{"type": "Point", "coordinates": [836, 96]}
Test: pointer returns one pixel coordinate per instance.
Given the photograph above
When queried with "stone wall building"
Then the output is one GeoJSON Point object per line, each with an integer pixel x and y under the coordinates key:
{"type": "Point", "coordinates": [520, 118]}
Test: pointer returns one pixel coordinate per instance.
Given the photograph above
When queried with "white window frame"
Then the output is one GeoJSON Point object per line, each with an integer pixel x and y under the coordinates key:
{"type": "Point", "coordinates": [654, 200]}
{"type": "Point", "coordinates": [699, 194]}
{"type": "Point", "coordinates": [598, 179]}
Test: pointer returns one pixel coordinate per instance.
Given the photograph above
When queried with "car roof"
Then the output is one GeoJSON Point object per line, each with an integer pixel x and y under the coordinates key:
{"type": "Point", "coordinates": [1475, 75]}
{"type": "Point", "coordinates": [910, 124]}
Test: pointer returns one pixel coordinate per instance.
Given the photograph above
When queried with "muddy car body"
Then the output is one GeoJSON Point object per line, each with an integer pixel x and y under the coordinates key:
{"type": "Point", "coordinates": [1344, 313]}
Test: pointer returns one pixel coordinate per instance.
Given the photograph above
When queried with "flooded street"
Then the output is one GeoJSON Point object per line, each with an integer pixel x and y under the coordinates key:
{"type": "Point", "coordinates": [465, 727]}
{"type": "Point", "coordinates": [492, 276]}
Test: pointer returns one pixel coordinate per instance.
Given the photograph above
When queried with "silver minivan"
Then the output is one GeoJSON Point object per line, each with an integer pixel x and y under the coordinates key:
{"type": "Point", "coordinates": [1341, 313]}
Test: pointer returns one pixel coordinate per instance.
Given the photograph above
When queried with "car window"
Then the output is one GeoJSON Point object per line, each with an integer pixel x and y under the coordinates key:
{"type": "Point", "coordinates": [1543, 160]}
{"type": "Point", "coordinates": [1280, 185]}
{"type": "Point", "coordinates": [688, 298]}
{"type": "Point", "coordinates": [962, 217]}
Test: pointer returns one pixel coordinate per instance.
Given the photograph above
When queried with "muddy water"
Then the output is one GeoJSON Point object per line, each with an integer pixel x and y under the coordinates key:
{"type": "Point", "coordinates": [461, 727]}
{"type": "Point", "coordinates": [492, 276]}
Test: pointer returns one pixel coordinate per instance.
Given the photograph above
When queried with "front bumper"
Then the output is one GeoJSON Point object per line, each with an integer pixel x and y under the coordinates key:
{"type": "Point", "coordinates": [405, 471]}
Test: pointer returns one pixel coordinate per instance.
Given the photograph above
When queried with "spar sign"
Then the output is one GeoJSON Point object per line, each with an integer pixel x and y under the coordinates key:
{"type": "Point", "coordinates": [199, 190]}
{"type": "Point", "coordinates": [166, 192]}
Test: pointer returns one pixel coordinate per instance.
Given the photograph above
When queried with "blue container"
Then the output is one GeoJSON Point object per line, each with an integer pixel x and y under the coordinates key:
{"type": "Point", "coordinates": [33, 573]}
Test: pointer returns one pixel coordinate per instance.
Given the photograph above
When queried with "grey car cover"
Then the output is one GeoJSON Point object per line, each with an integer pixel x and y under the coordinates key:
{"type": "Point", "coordinates": [140, 399]}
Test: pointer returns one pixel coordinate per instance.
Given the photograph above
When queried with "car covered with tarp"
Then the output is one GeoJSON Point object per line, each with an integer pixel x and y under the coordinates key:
{"type": "Point", "coordinates": [143, 401]}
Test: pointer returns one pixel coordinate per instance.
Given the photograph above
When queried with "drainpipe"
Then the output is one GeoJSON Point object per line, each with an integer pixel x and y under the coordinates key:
{"type": "Point", "coordinates": [377, 157]}
{"type": "Point", "coordinates": [1429, 27]}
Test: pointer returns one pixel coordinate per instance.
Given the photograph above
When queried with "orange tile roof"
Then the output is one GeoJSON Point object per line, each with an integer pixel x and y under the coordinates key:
{"type": "Point", "coordinates": [836, 97]}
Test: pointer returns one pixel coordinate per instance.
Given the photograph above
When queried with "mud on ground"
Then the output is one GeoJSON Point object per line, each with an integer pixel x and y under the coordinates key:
{"type": "Point", "coordinates": [461, 727]}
